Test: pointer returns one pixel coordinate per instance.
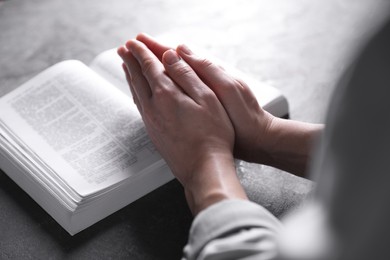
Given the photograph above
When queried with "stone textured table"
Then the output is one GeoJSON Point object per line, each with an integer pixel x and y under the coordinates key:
{"type": "Point", "coordinates": [300, 47]}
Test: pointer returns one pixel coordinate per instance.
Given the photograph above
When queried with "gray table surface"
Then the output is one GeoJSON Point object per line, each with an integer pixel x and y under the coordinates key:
{"type": "Point", "coordinates": [301, 47]}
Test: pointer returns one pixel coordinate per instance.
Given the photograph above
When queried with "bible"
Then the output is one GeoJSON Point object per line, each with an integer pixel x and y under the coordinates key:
{"type": "Point", "coordinates": [72, 138]}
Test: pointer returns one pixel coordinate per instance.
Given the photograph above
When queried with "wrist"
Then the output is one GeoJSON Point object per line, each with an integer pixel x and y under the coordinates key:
{"type": "Point", "coordinates": [290, 144]}
{"type": "Point", "coordinates": [213, 179]}
{"type": "Point", "coordinates": [258, 148]}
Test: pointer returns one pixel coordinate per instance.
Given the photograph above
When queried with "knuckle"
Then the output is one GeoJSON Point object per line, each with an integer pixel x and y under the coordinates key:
{"type": "Point", "coordinates": [207, 95]}
{"type": "Point", "coordinates": [147, 66]}
{"type": "Point", "coordinates": [206, 63]}
{"type": "Point", "coordinates": [162, 91]}
{"type": "Point", "coordinates": [183, 71]}
{"type": "Point", "coordinates": [134, 80]}
{"type": "Point", "coordinates": [159, 92]}
{"type": "Point", "coordinates": [231, 83]}
{"type": "Point", "coordinates": [241, 83]}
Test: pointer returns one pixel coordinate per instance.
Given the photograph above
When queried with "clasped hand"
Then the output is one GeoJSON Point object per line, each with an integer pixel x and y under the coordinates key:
{"type": "Point", "coordinates": [195, 114]}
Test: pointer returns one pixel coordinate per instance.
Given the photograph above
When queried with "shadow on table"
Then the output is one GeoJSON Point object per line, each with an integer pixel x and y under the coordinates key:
{"type": "Point", "coordinates": [154, 227]}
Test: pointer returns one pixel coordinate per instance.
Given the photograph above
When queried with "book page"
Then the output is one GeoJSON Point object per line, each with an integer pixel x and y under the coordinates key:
{"type": "Point", "coordinates": [87, 131]}
{"type": "Point", "coordinates": [108, 64]}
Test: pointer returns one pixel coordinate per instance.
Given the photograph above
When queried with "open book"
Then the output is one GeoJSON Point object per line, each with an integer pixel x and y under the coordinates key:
{"type": "Point", "coordinates": [72, 138]}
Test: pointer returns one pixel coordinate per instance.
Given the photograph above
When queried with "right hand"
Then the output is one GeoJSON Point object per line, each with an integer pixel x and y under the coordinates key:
{"type": "Point", "coordinates": [251, 123]}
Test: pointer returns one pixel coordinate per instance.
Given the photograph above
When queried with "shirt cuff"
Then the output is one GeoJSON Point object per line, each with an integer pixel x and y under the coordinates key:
{"type": "Point", "coordinates": [226, 217]}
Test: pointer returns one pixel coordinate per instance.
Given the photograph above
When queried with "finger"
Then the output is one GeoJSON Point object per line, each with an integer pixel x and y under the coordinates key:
{"type": "Point", "coordinates": [128, 79]}
{"type": "Point", "coordinates": [151, 67]}
{"type": "Point", "coordinates": [185, 76]}
{"type": "Point", "coordinates": [226, 87]}
{"type": "Point", "coordinates": [137, 82]}
{"type": "Point", "coordinates": [229, 90]}
{"type": "Point", "coordinates": [157, 48]}
{"type": "Point", "coordinates": [212, 74]}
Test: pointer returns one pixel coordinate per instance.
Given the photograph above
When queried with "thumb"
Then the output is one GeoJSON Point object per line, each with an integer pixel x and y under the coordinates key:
{"type": "Point", "coordinates": [223, 84]}
{"type": "Point", "coordinates": [184, 76]}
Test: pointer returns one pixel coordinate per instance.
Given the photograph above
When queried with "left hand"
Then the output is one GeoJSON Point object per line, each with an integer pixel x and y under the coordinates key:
{"type": "Point", "coordinates": [183, 117]}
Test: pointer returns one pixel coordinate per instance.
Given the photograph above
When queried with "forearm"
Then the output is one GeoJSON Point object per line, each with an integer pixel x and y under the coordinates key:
{"type": "Point", "coordinates": [290, 147]}
{"type": "Point", "coordinates": [214, 179]}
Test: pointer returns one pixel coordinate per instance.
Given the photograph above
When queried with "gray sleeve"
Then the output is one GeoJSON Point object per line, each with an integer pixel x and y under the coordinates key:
{"type": "Point", "coordinates": [233, 229]}
{"type": "Point", "coordinates": [352, 166]}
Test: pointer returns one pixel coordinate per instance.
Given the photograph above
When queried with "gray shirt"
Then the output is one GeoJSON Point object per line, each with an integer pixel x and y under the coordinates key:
{"type": "Point", "coordinates": [349, 214]}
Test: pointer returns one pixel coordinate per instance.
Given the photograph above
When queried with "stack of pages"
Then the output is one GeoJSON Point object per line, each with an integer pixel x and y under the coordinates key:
{"type": "Point", "coordinates": [72, 138]}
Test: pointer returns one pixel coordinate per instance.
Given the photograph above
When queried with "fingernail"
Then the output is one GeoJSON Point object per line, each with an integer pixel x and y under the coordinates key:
{"type": "Point", "coordinates": [171, 57]}
{"type": "Point", "coordinates": [185, 49]}
{"type": "Point", "coordinates": [130, 44]}
{"type": "Point", "coordinates": [120, 51]}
